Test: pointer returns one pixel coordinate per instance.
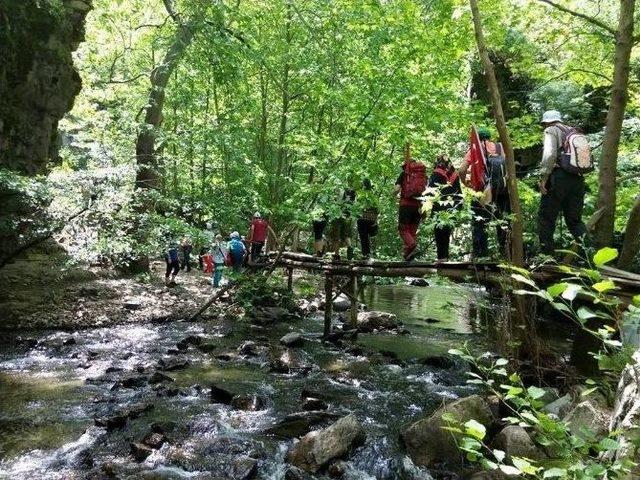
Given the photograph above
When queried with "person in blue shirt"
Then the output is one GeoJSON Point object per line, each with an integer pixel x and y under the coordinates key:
{"type": "Point", "coordinates": [237, 250]}
{"type": "Point", "coordinates": [172, 259]}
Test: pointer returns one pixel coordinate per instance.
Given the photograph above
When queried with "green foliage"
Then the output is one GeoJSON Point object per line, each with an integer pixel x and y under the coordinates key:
{"type": "Point", "coordinates": [582, 457]}
{"type": "Point", "coordinates": [256, 291]}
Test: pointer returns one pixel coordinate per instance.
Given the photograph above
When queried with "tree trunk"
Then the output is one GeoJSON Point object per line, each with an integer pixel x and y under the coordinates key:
{"type": "Point", "coordinates": [609, 160]}
{"type": "Point", "coordinates": [517, 249]}
{"type": "Point", "coordinates": [148, 175]}
{"type": "Point", "coordinates": [631, 244]}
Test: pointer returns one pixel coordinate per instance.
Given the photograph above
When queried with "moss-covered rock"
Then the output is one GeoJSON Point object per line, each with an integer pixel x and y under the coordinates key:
{"type": "Point", "coordinates": [38, 81]}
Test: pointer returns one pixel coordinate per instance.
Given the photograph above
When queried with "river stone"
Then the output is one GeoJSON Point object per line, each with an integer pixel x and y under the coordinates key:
{"type": "Point", "coordinates": [438, 361]}
{"type": "Point", "coordinates": [194, 340]}
{"type": "Point", "coordinates": [316, 449]}
{"type": "Point", "coordinates": [248, 348]}
{"type": "Point", "coordinates": [140, 451]}
{"type": "Point", "coordinates": [292, 339]}
{"type": "Point", "coordinates": [159, 377]}
{"type": "Point", "coordinates": [411, 472]}
{"type": "Point", "coordinates": [173, 363]}
{"type": "Point", "coordinates": [428, 444]}
{"type": "Point", "coordinates": [311, 404]}
{"type": "Point", "coordinates": [559, 407]}
{"type": "Point", "coordinates": [207, 347]}
{"type": "Point", "coordinates": [417, 282]}
{"type": "Point", "coordinates": [294, 473]}
{"type": "Point", "coordinates": [249, 403]}
{"type": "Point", "coordinates": [342, 303]}
{"type": "Point", "coordinates": [134, 381]}
{"type": "Point", "coordinates": [514, 441]}
{"type": "Point", "coordinates": [154, 440]}
{"type": "Point", "coordinates": [219, 465]}
{"type": "Point", "coordinates": [585, 419]}
{"type": "Point", "coordinates": [370, 321]}
{"type": "Point", "coordinates": [220, 395]}
{"type": "Point", "coordinates": [132, 304]}
{"type": "Point", "coordinates": [297, 424]}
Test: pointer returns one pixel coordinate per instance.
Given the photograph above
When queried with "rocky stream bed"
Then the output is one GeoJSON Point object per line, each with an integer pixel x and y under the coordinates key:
{"type": "Point", "coordinates": [232, 397]}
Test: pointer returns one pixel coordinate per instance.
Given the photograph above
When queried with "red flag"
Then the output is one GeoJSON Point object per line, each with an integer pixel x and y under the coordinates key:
{"type": "Point", "coordinates": [477, 161]}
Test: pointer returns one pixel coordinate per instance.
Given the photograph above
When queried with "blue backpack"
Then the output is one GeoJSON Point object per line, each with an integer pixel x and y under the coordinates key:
{"type": "Point", "coordinates": [172, 255]}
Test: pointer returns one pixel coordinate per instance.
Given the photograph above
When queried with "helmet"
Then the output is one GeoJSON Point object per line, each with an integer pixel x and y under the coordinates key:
{"type": "Point", "coordinates": [484, 133]}
{"type": "Point", "coordinates": [551, 116]}
{"type": "Point", "coordinates": [235, 235]}
{"type": "Point", "coordinates": [257, 215]}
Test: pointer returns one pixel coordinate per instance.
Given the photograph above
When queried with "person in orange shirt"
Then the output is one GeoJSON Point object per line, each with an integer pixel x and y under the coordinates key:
{"type": "Point", "coordinates": [499, 207]}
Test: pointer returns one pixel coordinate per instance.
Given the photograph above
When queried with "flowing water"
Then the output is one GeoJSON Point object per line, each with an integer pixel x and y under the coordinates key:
{"type": "Point", "coordinates": [50, 393]}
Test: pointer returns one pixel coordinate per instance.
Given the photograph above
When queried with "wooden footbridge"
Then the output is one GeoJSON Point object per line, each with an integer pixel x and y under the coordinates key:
{"type": "Point", "coordinates": [485, 273]}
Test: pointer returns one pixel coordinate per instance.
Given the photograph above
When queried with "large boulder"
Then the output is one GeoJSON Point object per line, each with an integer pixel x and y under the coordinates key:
{"type": "Point", "coordinates": [428, 444]}
{"type": "Point", "coordinates": [370, 321]}
{"type": "Point", "coordinates": [514, 441]}
{"type": "Point", "coordinates": [318, 448]}
{"type": "Point", "coordinates": [585, 420]}
{"type": "Point", "coordinates": [292, 339]}
{"type": "Point", "coordinates": [342, 303]}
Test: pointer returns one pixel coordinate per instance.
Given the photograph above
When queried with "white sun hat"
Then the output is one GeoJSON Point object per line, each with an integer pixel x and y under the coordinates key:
{"type": "Point", "coordinates": [551, 116]}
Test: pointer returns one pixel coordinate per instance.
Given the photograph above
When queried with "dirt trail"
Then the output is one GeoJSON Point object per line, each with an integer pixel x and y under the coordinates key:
{"type": "Point", "coordinates": [42, 291]}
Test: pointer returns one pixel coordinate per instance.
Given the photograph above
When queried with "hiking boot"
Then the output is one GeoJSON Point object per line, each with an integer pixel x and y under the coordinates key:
{"type": "Point", "coordinates": [413, 253]}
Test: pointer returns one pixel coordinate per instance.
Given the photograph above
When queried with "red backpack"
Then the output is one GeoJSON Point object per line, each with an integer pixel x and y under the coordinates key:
{"type": "Point", "coordinates": [415, 179]}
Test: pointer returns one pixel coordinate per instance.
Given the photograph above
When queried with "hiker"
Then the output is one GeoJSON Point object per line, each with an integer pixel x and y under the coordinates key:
{"type": "Point", "coordinates": [318, 224]}
{"type": "Point", "coordinates": [410, 185]}
{"type": "Point", "coordinates": [340, 229]}
{"type": "Point", "coordinates": [319, 221]}
{"type": "Point", "coordinates": [186, 254]}
{"type": "Point", "coordinates": [486, 164]}
{"type": "Point", "coordinates": [219, 253]}
{"type": "Point", "coordinates": [367, 222]}
{"type": "Point", "coordinates": [172, 260]}
{"type": "Point", "coordinates": [237, 251]}
{"type": "Point", "coordinates": [565, 159]}
{"type": "Point", "coordinates": [445, 179]}
{"type": "Point", "coordinates": [258, 233]}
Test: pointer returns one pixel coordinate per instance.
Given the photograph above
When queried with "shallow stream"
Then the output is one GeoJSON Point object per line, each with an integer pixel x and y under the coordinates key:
{"type": "Point", "coordinates": [51, 391]}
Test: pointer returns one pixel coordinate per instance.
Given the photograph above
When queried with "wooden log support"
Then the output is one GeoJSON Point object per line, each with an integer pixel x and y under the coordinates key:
{"type": "Point", "coordinates": [328, 303]}
{"type": "Point", "coordinates": [354, 302]}
{"type": "Point", "coordinates": [290, 278]}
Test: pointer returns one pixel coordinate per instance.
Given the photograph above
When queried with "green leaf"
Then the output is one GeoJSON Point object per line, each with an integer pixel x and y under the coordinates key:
{"type": "Point", "coordinates": [536, 392]}
{"type": "Point", "coordinates": [555, 473]}
{"type": "Point", "coordinates": [604, 286]}
{"type": "Point", "coordinates": [571, 291]}
{"type": "Point", "coordinates": [531, 417]}
{"type": "Point", "coordinates": [475, 429]}
{"type": "Point", "coordinates": [557, 288]}
{"type": "Point", "coordinates": [524, 465]}
{"type": "Point", "coordinates": [523, 279]}
{"type": "Point", "coordinates": [499, 454]}
{"type": "Point", "coordinates": [636, 300]}
{"type": "Point", "coordinates": [605, 255]}
{"type": "Point", "coordinates": [585, 314]}
{"type": "Point", "coordinates": [509, 470]}
{"type": "Point", "coordinates": [501, 362]}
{"type": "Point", "coordinates": [607, 444]}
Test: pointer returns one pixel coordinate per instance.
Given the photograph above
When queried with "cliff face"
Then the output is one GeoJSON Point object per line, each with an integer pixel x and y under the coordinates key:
{"type": "Point", "coordinates": [38, 81]}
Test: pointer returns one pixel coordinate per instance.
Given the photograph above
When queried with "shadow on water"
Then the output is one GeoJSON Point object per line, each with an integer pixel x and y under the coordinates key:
{"type": "Point", "coordinates": [51, 392]}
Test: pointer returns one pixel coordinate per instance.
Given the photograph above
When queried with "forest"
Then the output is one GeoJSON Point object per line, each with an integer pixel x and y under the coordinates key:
{"type": "Point", "coordinates": [210, 266]}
